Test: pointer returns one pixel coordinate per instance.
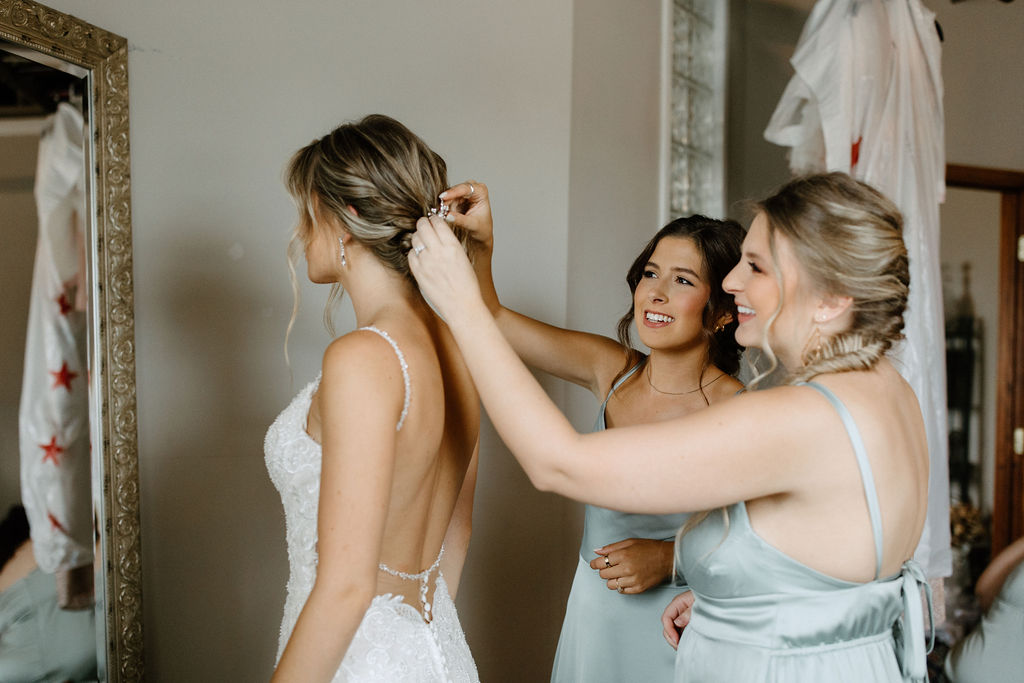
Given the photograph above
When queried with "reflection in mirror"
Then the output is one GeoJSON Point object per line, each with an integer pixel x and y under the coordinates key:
{"type": "Point", "coordinates": [68, 422]}
{"type": "Point", "coordinates": [48, 580]}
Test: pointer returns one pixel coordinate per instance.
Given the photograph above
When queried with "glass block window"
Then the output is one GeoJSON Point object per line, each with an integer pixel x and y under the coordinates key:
{"type": "Point", "coordinates": [697, 112]}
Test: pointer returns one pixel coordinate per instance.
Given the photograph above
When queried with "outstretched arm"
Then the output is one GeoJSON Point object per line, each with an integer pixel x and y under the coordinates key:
{"type": "Point", "coordinates": [680, 465]}
{"type": "Point", "coordinates": [589, 360]}
{"type": "Point", "coordinates": [358, 435]}
{"type": "Point", "coordinates": [991, 580]}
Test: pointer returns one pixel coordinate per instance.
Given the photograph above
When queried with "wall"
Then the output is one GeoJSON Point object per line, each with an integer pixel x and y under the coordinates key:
{"type": "Point", "coordinates": [221, 94]}
{"type": "Point", "coordinates": [614, 163]}
{"type": "Point", "coordinates": [762, 38]}
{"type": "Point", "coordinates": [983, 70]}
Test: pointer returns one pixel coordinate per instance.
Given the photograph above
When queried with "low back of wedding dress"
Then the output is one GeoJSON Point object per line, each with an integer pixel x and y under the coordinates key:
{"type": "Point", "coordinates": [396, 641]}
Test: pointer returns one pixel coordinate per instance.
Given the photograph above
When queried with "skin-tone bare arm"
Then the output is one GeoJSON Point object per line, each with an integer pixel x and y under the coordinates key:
{"type": "Point", "coordinates": [358, 436]}
{"type": "Point", "coordinates": [992, 579]}
{"type": "Point", "coordinates": [589, 360]}
{"type": "Point", "coordinates": [590, 467]}
{"type": "Point", "coordinates": [460, 528]}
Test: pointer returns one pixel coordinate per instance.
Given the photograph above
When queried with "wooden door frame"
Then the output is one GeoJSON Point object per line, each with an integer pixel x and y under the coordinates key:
{"type": "Point", "coordinates": [1008, 499]}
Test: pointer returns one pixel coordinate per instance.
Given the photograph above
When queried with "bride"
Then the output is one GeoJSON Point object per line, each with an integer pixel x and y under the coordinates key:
{"type": "Point", "coordinates": [376, 459]}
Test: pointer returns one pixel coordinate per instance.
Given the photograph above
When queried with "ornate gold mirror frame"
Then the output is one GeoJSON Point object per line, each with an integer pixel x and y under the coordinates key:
{"type": "Point", "coordinates": [115, 447]}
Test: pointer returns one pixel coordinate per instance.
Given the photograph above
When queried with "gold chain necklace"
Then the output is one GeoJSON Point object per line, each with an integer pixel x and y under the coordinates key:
{"type": "Point", "coordinates": [678, 393]}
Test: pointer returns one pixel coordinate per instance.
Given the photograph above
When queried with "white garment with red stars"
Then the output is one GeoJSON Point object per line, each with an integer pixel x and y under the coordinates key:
{"type": "Point", "coordinates": [53, 420]}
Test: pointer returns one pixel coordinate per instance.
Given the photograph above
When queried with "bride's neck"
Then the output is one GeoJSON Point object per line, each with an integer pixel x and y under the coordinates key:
{"type": "Point", "coordinates": [374, 289]}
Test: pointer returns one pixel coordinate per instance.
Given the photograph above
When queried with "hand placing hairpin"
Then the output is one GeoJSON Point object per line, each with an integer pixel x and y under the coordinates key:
{"type": "Point", "coordinates": [442, 269]}
{"type": "Point", "coordinates": [470, 210]}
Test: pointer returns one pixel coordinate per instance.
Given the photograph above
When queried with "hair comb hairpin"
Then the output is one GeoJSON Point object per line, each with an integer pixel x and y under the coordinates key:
{"type": "Point", "coordinates": [441, 211]}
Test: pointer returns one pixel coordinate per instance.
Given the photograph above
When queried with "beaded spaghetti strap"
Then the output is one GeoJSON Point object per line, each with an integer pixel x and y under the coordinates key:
{"type": "Point", "coordinates": [423, 577]}
{"type": "Point", "coordinates": [405, 371]}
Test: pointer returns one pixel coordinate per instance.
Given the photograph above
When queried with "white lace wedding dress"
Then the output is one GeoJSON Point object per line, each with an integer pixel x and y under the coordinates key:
{"type": "Point", "coordinates": [394, 642]}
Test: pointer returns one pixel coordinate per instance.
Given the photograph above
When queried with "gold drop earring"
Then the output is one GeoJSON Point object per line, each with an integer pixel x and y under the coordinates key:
{"type": "Point", "coordinates": [813, 346]}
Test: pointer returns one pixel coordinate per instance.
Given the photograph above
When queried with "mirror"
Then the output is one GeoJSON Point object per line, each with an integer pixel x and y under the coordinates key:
{"type": "Point", "coordinates": [66, 44]}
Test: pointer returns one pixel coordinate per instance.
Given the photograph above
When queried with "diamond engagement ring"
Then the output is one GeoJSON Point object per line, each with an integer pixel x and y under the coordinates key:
{"type": "Point", "coordinates": [418, 248]}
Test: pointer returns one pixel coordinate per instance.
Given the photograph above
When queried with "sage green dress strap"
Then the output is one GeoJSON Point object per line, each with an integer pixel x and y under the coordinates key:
{"type": "Point", "coordinates": [762, 616]}
{"type": "Point", "coordinates": [608, 636]}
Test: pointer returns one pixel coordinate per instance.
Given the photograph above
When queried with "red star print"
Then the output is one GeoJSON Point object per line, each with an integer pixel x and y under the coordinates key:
{"type": "Point", "coordinates": [64, 303]}
{"type": "Point", "coordinates": [855, 151]}
{"type": "Point", "coordinates": [55, 523]}
{"type": "Point", "coordinates": [63, 377]}
{"type": "Point", "coordinates": [52, 450]}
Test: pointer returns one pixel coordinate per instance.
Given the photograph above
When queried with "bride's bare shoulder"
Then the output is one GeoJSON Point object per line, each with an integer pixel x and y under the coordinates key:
{"type": "Point", "coordinates": [365, 362]}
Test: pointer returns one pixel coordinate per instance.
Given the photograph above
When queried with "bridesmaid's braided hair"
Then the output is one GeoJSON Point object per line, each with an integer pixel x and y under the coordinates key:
{"type": "Point", "coordinates": [848, 238]}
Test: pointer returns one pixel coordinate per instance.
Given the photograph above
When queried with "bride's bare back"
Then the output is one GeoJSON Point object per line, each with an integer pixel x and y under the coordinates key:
{"type": "Point", "coordinates": [433, 451]}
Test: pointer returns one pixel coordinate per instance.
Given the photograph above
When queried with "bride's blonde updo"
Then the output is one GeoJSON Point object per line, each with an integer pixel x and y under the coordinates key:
{"type": "Point", "coordinates": [382, 170]}
{"type": "Point", "coordinates": [848, 238]}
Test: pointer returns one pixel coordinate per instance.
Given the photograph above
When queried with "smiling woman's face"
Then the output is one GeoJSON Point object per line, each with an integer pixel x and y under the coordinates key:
{"type": "Point", "coordinates": [754, 285]}
{"type": "Point", "coordinates": [670, 298]}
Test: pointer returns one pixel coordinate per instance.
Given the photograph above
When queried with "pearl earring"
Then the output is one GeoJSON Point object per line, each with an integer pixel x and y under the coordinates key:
{"type": "Point", "coordinates": [341, 252]}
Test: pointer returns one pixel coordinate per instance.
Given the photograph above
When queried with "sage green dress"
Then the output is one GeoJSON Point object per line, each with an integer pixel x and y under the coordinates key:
{"type": "Point", "coordinates": [609, 636]}
{"type": "Point", "coordinates": [762, 617]}
{"type": "Point", "coordinates": [994, 651]}
{"type": "Point", "coordinates": [39, 641]}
